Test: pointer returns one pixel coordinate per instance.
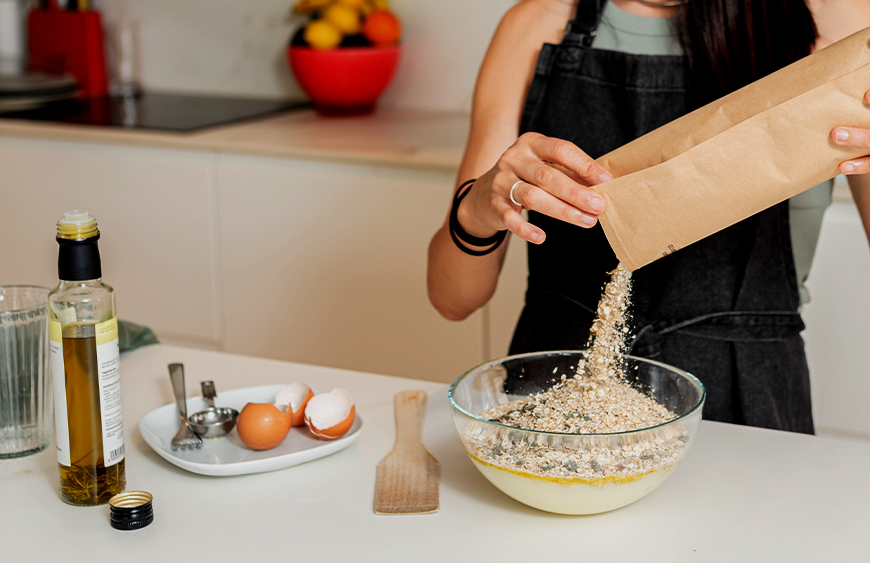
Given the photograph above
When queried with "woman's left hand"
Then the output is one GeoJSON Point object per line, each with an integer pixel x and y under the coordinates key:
{"type": "Point", "coordinates": [854, 137]}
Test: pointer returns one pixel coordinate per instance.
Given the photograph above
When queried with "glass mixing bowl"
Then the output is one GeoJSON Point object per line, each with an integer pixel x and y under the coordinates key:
{"type": "Point", "coordinates": [573, 473]}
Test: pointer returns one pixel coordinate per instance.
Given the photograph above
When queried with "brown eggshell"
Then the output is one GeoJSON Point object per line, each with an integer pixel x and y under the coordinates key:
{"type": "Point", "coordinates": [299, 414]}
{"type": "Point", "coordinates": [336, 431]}
{"type": "Point", "coordinates": [262, 426]}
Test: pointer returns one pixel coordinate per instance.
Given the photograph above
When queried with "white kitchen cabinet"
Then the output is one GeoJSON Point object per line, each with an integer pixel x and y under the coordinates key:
{"type": "Point", "coordinates": [837, 335]}
{"type": "Point", "coordinates": [154, 210]}
{"type": "Point", "coordinates": [311, 261]}
{"type": "Point", "coordinates": [325, 263]}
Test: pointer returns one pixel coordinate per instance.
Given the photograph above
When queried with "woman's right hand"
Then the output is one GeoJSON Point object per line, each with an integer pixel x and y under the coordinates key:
{"type": "Point", "coordinates": [554, 177]}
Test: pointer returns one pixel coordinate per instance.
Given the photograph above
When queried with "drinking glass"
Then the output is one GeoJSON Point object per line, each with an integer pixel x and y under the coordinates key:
{"type": "Point", "coordinates": [25, 381]}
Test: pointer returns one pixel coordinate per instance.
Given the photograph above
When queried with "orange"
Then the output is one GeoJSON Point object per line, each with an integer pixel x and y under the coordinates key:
{"type": "Point", "coordinates": [382, 27]}
{"type": "Point", "coordinates": [320, 34]}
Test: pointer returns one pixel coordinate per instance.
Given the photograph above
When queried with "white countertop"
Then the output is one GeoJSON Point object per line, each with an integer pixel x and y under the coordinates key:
{"type": "Point", "coordinates": [409, 138]}
{"type": "Point", "coordinates": [741, 494]}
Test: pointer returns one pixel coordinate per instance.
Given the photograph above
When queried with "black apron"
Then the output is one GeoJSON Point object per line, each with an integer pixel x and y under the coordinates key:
{"type": "Point", "coordinates": [724, 309]}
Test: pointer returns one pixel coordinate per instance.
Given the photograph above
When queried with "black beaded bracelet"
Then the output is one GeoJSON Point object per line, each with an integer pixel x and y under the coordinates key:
{"type": "Point", "coordinates": [456, 232]}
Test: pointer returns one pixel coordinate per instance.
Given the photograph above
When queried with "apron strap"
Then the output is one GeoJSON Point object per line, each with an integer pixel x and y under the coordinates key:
{"type": "Point", "coordinates": [586, 20]}
{"type": "Point", "coordinates": [728, 326]}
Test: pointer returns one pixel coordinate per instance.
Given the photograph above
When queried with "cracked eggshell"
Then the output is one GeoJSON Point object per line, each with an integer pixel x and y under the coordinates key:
{"type": "Point", "coordinates": [294, 397]}
{"type": "Point", "coordinates": [330, 415]}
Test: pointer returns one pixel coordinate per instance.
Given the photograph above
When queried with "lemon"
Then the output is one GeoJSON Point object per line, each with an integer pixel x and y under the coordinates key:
{"type": "Point", "coordinates": [343, 18]}
{"type": "Point", "coordinates": [354, 4]}
{"type": "Point", "coordinates": [321, 34]}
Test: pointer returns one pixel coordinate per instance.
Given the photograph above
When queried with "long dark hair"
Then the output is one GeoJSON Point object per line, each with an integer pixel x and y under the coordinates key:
{"type": "Point", "coordinates": [734, 42]}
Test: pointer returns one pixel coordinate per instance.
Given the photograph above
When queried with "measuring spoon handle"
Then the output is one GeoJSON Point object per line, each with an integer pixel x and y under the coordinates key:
{"type": "Point", "coordinates": [176, 374]}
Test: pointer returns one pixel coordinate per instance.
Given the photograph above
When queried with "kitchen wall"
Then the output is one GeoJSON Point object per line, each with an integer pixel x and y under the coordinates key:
{"type": "Point", "coordinates": [229, 47]}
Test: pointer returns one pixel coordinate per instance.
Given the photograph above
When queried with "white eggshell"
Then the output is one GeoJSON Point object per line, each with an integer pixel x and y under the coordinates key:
{"type": "Point", "coordinates": [291, 395]}
{"type": "Point", "coordinates": [328, 409]}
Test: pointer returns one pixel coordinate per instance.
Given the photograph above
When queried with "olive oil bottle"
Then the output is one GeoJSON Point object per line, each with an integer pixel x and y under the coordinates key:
{"type": "Point", "coordinates": [85, 362]}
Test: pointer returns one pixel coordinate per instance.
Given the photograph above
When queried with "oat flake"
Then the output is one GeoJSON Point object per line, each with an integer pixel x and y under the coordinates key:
{"type": "Point", "coordinates": [596, 399]}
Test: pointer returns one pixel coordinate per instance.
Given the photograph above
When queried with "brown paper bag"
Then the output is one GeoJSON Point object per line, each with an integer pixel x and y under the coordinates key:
{"type": "Point", "coordinates": [732, 158]}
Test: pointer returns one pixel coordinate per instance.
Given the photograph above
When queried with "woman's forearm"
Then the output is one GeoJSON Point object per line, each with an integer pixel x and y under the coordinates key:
{"type": "Point", "coordinates": [458, 283]}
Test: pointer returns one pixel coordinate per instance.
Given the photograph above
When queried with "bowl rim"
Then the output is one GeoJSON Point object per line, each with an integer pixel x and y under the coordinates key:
{"type": "Point", "coordinates": [683, 416]}
{"type": "Point", "coordinates": [367, 48]}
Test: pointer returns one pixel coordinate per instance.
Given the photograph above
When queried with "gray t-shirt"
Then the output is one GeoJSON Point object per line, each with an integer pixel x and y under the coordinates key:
{"type": "Point", "coordinates": [628, 33]}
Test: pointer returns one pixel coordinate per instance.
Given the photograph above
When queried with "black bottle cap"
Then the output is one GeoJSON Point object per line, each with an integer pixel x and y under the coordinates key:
{"type": "Point", "coordinates": [131, 510]}
{"type": "Point", "coordinates": [79, 256]}
{"type": "Point", "coordinates": [79, 260]}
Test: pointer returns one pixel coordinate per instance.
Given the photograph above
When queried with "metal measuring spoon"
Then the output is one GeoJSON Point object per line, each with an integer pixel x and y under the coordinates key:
{"type": "Point", "coordinates": [215, 422]}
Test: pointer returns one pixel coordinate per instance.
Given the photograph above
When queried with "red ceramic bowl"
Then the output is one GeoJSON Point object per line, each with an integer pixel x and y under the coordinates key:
{"type": "Point", "coordinates": [346, 80]}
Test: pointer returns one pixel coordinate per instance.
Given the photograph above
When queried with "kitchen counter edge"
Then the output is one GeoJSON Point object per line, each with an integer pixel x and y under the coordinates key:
{"type": "Point", "coordinates": [420, 139]}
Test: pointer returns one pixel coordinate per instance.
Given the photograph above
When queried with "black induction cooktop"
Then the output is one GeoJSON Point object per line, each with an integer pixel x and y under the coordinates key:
{"type": "Point", "coordinates": [162, 112]}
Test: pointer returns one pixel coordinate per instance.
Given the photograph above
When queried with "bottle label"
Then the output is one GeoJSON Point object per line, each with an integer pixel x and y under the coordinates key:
{"type": "Point", "coordinates": [109, 375]}
{"type": "Point", "coordinates": [109, 363]}
{"type": "Point", "coordinates": [61, 422]}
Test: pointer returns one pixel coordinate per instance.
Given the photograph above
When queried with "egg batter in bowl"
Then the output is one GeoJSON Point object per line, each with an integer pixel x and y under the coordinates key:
{"type": "Point", "coordinates": [577, 469]}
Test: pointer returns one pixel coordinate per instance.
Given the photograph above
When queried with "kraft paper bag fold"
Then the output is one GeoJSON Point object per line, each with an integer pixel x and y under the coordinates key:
{"type": "Point", "coordinates": [737, 156]}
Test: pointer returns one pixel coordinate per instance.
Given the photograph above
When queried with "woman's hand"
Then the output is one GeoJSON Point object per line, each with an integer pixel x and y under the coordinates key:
{"type": "Point", "coordinates": [553, 177]}
{"type": "Point", "coordinates": [854, 137]}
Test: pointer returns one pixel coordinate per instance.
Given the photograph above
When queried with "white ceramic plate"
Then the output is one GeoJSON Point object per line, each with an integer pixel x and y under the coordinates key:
{"type": "Point", "coordinates": [228, 456]}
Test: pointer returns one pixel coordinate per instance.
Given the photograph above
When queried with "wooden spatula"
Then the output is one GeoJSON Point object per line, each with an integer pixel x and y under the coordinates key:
{"type": "Point", "coordinates": [407, 481]}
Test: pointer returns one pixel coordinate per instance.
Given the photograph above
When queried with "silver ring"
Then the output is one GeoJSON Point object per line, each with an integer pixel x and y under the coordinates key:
{"type": "Point", "coordinates": [515, 202]}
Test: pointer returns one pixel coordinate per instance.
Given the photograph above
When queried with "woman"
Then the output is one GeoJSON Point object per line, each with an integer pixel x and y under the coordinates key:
{"type": "Point", "coordinates": [550, 98]}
